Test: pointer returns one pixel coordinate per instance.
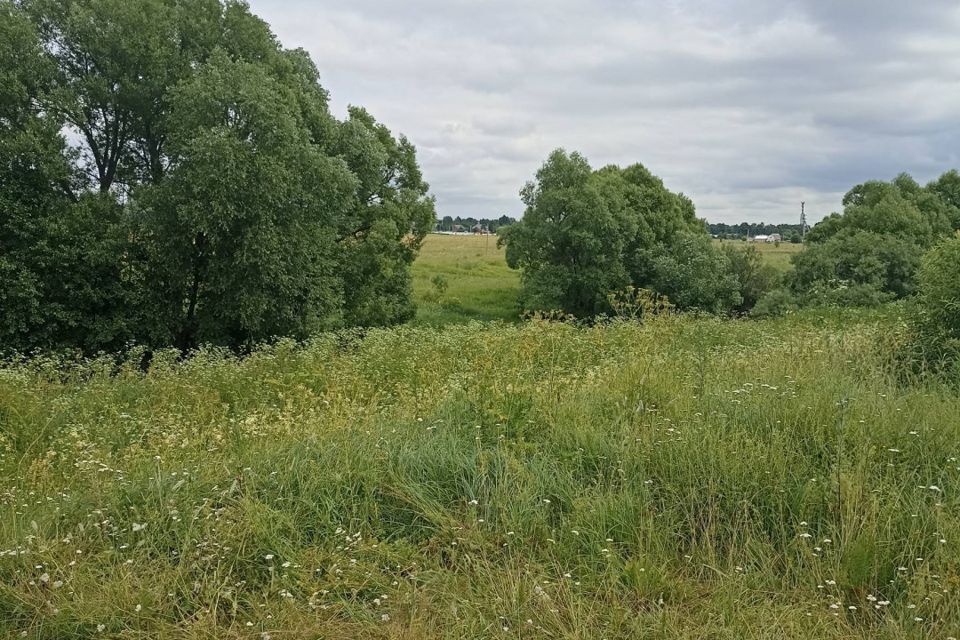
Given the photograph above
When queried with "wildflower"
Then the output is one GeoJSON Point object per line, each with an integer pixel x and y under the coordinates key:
{"type": "Point", "coordinates": [385, 617]}
{"type": "Point", "coordinates": [138, 527]}
{"type": "Point", "coordinates": [268, 557]}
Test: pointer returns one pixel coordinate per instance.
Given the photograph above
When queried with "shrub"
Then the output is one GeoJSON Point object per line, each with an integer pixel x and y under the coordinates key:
{"type": "Point", "coordinates": [775, 303]}
{"type": "Point", "coordinates": [756, 278]}
{"type": "Point", "coordinates": [937, 316]}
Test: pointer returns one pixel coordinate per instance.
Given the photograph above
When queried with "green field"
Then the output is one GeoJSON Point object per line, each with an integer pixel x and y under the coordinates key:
{"type": "Point", "coordinates": [482, 287]}
{"type": "Point", "coordinates": [778, 256]}
{"type": "Point", "coordinates": [684, 478]}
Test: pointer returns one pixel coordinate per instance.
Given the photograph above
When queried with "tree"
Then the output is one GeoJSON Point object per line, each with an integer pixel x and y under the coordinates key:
{"type": "Point", "coordinates": [586, 234]}
{"type": "Point", "coordinates": [385, 224]}
{"type": "Point", "coordinates": [60, 272]}
{"type": "Point", "coordinates": [871, 252]}
{"type": "Point", "coordinates": [211, 196]}
{"type": "Point", "coordinates": [241, 233]}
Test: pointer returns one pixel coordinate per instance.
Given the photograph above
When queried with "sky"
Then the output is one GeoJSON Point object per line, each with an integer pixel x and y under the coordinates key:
{"type": "Point", "coordinates": [747, 106]}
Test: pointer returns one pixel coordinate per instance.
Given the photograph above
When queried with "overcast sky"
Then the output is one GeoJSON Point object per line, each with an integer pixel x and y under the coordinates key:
{"type": "Point", "coordinates": [748, 106]}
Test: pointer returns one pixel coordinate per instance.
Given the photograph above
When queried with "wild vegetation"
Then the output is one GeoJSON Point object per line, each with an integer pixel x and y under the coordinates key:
{"type": "Point", "coordinates": [571, 430]}
{"type": "Point", "coordinates": [870, 254]}
{"type": "Point", "coordinates": [682, 478]}
{"type": "Point", "coordinates": [586, 234]}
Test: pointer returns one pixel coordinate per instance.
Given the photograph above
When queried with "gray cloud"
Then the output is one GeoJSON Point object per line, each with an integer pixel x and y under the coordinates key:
{"type": "Point", "coordinates": [748, 106]}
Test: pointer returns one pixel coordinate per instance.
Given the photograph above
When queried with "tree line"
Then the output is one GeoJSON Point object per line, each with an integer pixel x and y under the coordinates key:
{"type": "Point", "coordinates": [171, 175]}
{"type": "Point", "coordinates": [789, 232]}
{"type": "Point", "coordinates": [486, 225]}
{"type": "Point", "coordinates": [588, 233]}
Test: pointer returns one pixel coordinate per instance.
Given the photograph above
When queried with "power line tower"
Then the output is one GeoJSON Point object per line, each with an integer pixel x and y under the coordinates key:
{"type": "Point", "coordinates": [803, 221]}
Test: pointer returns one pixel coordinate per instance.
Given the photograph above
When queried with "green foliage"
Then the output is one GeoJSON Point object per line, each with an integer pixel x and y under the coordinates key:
{"type": "Point", "coordinates": [588, 233]}
{"type": "Point", "coordinates": [871, 253]}
{"type": "Point", "coordinates": [754, 276]}
{"type": "Point", "coordinates": [938, 304]}
{"type": "Point", "coordinates": [212, 196]}
{"type": "Point", "coordinates": [242, 252]}
{"type": "Point", "coordinates": [774, 303]}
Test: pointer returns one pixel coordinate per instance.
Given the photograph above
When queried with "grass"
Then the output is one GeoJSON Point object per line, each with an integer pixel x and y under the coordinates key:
{"type": "Point", "coordinates": [480, 285]}
{"type": "Point", "coordinates": [778, 255]}
{"type": "Point", "coordinates": [688, 478]}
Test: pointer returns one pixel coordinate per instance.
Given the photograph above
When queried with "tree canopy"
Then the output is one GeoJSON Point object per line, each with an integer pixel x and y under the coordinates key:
{"type": "Point", "coordinates": [872, 251]}
{"type": "Point", "coordinates": [588, 233]}
{"type": "Point", "coordinates": [171, 175]}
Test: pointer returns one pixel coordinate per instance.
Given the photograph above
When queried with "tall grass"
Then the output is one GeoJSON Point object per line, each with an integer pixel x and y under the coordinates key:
{"type": "Point", "coordinates": [682, 479]}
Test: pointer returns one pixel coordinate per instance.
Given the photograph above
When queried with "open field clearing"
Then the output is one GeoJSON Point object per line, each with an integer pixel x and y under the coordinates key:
{"type": "Point", "coordinates": [683, 479]}
{"type": "Point", "coordinates": [482, 287]}
{"type": "Point", "coordinates": [778, 256]}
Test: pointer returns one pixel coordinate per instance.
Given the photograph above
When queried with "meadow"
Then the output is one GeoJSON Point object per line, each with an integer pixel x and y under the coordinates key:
{"type": "Point", "coordinates": [480, 286]}
{"type": "Point", "coordinates": [683, 478]}
{"type": "Point", "coordinates": [776, 254]}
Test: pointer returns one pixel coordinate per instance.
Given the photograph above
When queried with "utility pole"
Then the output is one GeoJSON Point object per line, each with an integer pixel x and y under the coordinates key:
{"type": "Point", "coordinates": [803, 221]}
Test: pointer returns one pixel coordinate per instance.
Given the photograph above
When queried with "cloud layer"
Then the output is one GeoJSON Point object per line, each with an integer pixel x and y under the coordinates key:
{"type": "Point", "coordinates": [748, 106]}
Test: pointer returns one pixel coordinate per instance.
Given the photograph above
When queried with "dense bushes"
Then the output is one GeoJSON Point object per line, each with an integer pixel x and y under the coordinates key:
{"type": "Point", "coordinates": [588, 233]}
{"type": "Point", "coordinates": [870, 253]}
{"type": "Point", "coordinates": [938, 304]}
{"type": "Point", "coordinates": [211, 197]}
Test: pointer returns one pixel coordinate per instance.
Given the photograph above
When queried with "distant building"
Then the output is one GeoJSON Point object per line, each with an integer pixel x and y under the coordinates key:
{"type": "Point", "coordinates": [775, 237]}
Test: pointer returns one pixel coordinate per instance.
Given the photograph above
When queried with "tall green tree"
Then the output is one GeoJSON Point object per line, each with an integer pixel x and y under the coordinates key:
{"type": "Point", "coordinates": [209, 195]}
{"type": "Point", "coordinates": [872, 251]}
{"type": "Point", "coordinates": [241, 234]}
{"type": "Point", "coordinates": [386, 222]}
{"type": "Point", "coordinates": [60, 247]}
{"type": "Point", "coordinates": [586, 234]}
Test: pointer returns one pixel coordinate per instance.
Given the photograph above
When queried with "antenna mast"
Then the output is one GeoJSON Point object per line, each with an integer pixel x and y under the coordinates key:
{"type": "Point", "coordinates": [803, 221]}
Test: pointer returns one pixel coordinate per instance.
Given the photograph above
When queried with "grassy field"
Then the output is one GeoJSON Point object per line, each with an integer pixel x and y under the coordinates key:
{"type": "Point", "coordinates": [681, 479]}
{"type": "Point", "coordinates": [686, 478]}
{"type": "Point", "coordinates": [480, 286]}
{"type": "Point", "coordinates": [778, 256]}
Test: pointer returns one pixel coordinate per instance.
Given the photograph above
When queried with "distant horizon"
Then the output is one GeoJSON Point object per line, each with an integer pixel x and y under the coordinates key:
{"type": "Point", "coordinates": [748, 108]}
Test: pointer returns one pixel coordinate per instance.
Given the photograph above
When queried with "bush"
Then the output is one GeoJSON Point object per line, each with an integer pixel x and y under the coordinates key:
{"type": "Point", "coordinates": [775, 303]}
{"type": "Point", "coordinates": [937, 316]}
{"type": "Point", "coordinates": [756, 278]}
